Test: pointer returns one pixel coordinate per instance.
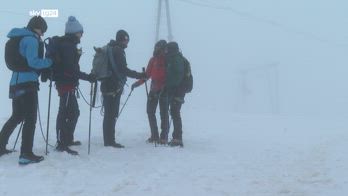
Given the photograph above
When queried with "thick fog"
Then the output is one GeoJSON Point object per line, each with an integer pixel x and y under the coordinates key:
{"type": "Point", "coordinates": [247, 56]}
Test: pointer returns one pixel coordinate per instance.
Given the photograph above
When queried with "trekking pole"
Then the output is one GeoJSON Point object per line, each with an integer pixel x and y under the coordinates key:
{"type": "Point", "coordinates": [147, 96]}
{"type": "Point", "coordinates": [95, 93]}
{"type": "Point", "coordinates": [19, 132]}
{"type": "Point", "coordinates": [49, 110]}
{"type": "Point", "coordinates": [147, 92]}
{"type": "Point", "coordinates": [90, 118]}
{"type": "Point", "coordinates": [130, 93]}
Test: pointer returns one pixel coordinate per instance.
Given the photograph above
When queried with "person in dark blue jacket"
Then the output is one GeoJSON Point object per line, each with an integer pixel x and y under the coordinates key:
{"type": "Point", "coordinates": [67, 81]}
{"type": "Point", "coordinates": [112, 87]}
{"type": "Point", "coordinates": [24, 88]}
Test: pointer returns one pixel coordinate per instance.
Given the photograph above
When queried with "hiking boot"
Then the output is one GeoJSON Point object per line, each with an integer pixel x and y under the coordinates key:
{"type": "Point", "coordinates": [75, 143]}
{"type": "Point", "coordinates": [63, 148]}
{"type": "Point", "coordinates": [163, 141]}
{"type": "Point", "coordinates": [4, 151]}
{"type": "Point", "coordinates": [114, 144]}
{"type": "Point", "coordinates": [152, 140]}
{"type": "Point", "coordinates": [27, 158]}
{"type": "Point", "coordinates": [176, 142]}
{"type": "Point", "coordinates": [163, 138]}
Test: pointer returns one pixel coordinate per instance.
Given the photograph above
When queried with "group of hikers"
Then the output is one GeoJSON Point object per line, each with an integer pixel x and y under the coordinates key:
{"type": "Point", "coordinates": [169, 71]}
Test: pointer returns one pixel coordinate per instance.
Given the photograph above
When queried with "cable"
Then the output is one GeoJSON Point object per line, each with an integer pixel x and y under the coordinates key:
{"type": "Point", "coordinates": [43, 136]}
{"type": "Point", "coordinates": [251, 17]}
{"type": "Point", "coordinates": [89, 104]}
{"type": "Point", "coordinates": [203, 4]}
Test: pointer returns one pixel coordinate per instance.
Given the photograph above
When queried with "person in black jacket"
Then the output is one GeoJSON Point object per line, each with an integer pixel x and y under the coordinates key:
{"type": "Point", "coordinates": [67, 80]}
{"type": "Point", "coordinates": [112, 87]}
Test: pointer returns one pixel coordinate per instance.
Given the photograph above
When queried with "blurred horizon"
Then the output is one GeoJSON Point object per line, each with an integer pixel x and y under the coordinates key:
{"type": "Point", "coordinates": [253, 57]}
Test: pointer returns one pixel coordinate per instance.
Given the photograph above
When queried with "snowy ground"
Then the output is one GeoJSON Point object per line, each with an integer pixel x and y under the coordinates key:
{"type": "Point", "coordinates": [236, 155]}
{"type": "Point", "coordinates": [225, 153]}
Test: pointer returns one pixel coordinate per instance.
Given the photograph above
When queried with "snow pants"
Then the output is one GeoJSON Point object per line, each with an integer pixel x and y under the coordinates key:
{"type": "Point", "coordinates": [67, 117]}
{"type": "Point", "coordinates": [24, 109]}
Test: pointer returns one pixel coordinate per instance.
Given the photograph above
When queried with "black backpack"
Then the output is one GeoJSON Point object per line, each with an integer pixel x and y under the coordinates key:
{"type": "Point", "coordinates": [14, 60]}
{"type": "Point", "coordinates": [52, 51]}
{"type": "Point", "coordinates": [187, 82]}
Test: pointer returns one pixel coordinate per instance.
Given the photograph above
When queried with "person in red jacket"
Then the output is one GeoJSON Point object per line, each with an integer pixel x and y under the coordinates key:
{"type": "Point", "coordinates": [156, 70]}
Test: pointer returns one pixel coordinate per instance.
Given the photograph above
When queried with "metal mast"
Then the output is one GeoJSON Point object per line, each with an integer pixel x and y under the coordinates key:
{"type": "Point", "coordinates": [168, 20]}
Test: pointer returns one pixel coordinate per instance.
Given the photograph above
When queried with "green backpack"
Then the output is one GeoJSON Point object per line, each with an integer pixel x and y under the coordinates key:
{"type": "Point", "coordinates": [187, 81]}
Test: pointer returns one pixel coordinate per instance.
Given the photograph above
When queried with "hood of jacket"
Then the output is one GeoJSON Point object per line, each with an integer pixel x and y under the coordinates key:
{"type": "Point", "coordinates": [17, 32]}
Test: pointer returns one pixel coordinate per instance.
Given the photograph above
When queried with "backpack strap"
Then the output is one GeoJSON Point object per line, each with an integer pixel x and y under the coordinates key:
{"type": "Point", "coordinates": [114, 67]}
{"type": "Point", "coordinates": [23, 59]}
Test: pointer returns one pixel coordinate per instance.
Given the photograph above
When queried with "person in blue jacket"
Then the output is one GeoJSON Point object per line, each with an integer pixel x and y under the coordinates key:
{"type": "Point", "coordinates": [24, 86]}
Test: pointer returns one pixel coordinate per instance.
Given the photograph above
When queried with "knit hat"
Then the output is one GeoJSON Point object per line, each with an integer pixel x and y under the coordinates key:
{"type": "Point", "coordinates": [73, 26]}
{"type": "Point", "coordinates": [122, 35]}
{"type": "Point", "coordinates": [159, 47]}
{"type": "Point", "coordinates": [37, 22]}
{"type": "Point", "coordinates": [161, 44]}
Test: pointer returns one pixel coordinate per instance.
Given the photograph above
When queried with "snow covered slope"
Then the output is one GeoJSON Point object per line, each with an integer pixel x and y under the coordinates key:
{"type": "Point", "coordinates": [233, 145]}
{"type": "Point", "coordinates": [245, 155]}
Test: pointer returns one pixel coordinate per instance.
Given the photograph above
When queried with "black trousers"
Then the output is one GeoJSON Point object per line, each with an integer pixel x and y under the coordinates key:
{"type": "Point", "coordinates": [67, 117]}
{"type": "Point", "coordinates": [111, 104]}
{"type": "Point", "coordinates": [24, 109]}
{"type": "Point", "coordinates": [176, 99]}
{"type": "Point", "coordinates": [155, 99]}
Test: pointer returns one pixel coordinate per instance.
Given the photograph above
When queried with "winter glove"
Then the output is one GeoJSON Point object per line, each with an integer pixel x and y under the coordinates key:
{"type": "Point", "coordinates": [79, 53]}
{"type": "Point", "coordinates": [141, 76]}
{"type": "Point", "coordinates": [91, 78]}
{"type": "Point", "coordinates": [45, 74]}
{"type": "Point", "coordinates": [135, 84]}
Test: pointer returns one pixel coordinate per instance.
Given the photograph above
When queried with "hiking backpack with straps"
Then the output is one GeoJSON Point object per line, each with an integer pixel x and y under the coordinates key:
{"type": "Point", "coordinates": [104, 64]}
{"type": "Point", "coordinates": [101, 63]}
{"type": "Point", "coordinates": [14, 60]}
{"type": "Point", "coordinates": [52, 52]}
{"type": "Point", "coordinates": [187, 82]}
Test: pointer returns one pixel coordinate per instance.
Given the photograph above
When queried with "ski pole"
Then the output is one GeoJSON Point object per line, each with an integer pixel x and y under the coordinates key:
{"type": "Point", "coordinates": [147, 96]}
{"type": "Point", "coordinates": [49, 110]}
{"type": "Point", "coordinates": [95, 93]}
{"type": "Point", "coordinates": [147, 91]}
{"type": "Point", "coordinates": [90, 119]}
{"type": "Point", "coordinates": [130, 93]}
{"type": "Point", "coordinates": [19, 132]}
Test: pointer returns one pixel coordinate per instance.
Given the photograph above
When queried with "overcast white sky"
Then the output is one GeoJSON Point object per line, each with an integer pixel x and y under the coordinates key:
{"type": "Point", "coordinates": [307, 40]}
